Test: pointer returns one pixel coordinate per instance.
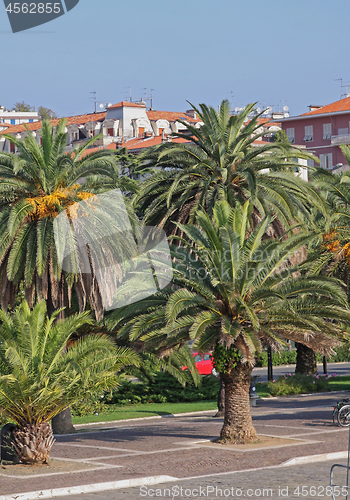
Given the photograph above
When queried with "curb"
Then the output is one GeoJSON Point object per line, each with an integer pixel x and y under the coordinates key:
{"type": "Point", "coordinates": [303, 395]}
{"type": "Point", "coordinates": [313, 458]}
{"type": "Point", "coordinates": [169, 415]}
{"type": "Point", "coordinates": [89, 488]}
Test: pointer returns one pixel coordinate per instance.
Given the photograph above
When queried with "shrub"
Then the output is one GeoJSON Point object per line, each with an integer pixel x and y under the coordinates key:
{"type": "Point", "coordinates": [342, 354]}
{"type": "Point", "coordinates": [164, 389]}
{"type": "Point", "coordinates": [298, 384]}
{"type": "Point", "coordinates": [283, 358]}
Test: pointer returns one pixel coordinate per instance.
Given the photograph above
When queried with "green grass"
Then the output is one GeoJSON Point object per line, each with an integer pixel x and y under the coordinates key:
{"type": "Point", "coordinates": [154, 409]}
{"type": "Point", "coordinates": [146, 410]}
{"type": "Point", "coordinates": [340, 383]}
{"type": "Point", "coordinates": [262, 390]}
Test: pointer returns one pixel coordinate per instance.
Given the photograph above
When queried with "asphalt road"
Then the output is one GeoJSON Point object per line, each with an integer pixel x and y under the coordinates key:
{"type": "Point", "coordinates": [338, 368]}
{"type": "Point", "coordinates": [296, 482]}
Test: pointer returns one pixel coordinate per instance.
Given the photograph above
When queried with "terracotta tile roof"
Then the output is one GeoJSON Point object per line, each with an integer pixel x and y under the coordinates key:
{"type": "Point", "coordinates": [127, 104]}
{"type": "Point", "coordinates": [80, 119]}
{"type": "Point", "coordinates": [171, 116]}
{"type": "Point", "coordinates": [149, 142]}
{"type": "Point", "coordinates": [334, 107]}
{"type": "Point", "coordinates": [133, 144]}
{"type": "Point", "coordinates": [112, 145]}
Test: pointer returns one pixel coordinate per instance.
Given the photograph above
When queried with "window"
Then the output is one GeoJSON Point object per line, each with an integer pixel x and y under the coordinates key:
{"type": "Point", "coordinates": [12, 147]}
{"type": "Point", "coordinates": [30, 120]}
{"type": "Point", "coordinates": [161, 130]}
{"type": "Point", "coordinates": [343, 131]}
{"type": "Point", "coordinates": [326, 161]}
{"type": "Point", "coordinates": [290, 135]}
{"type": "Point", "coordinates": [141, 131]}
{"type": "Point", "coordinates": [309, 133]}
{"type": "Point", "coordinates": [327, 131]}
{"type": "Point", "coordinates": [110, 131]}
{"type": "Point", "coordinates": [13, 121]}
{"type": "Point", "coordinates": [311, 163]}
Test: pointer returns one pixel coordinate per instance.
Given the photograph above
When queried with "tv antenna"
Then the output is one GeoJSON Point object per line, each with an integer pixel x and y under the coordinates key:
{"type": "Point", "coordinates": [128, 93]}
{"type": "Point", "coordinates": [101, 104]}
{"type": "Point", "coordinates": [146, 98]}
{"type": "Point", "coordinates": [344, 88]}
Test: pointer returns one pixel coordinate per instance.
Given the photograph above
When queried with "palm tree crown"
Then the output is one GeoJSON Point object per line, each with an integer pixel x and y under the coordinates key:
{"type": "Point", "coordinates": [237, 295]}
{"type": "Point", "coordinates": [35, 186]}
{"type": "Point", "coordinates": [223, 161]}
{"type": "Point", "coordinates": [40, 376]}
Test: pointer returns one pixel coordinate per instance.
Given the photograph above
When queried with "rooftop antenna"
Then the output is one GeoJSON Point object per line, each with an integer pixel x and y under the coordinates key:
{"type": "Point", "coordinates": [341, 87]}
{"type": "Point", "coordinates": [283, 101]}
{"type": "Point", "coordinates": [146, 98]}
{"type": "Point", "coordinates": [151, 94]}
{"type": "Point", "coordinates": [93, 97]}
{"type": "Point", "coordinates": [128, 96]}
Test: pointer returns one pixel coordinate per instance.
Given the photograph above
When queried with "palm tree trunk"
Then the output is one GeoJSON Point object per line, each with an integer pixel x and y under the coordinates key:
{"type": "Point", "coordinates": [33, 443]}
{"type": "Point", "coordinates": [221, 400]}
{"type": "Point", "coordinates": [238, 426]}
{"type": "Point", "coordinates": [306, 360]}
{"type": "Point", "coordinates": [62, 423]}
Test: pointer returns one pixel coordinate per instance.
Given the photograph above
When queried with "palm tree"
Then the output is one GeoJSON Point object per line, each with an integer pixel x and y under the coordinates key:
{"type": "Point", "coordinates": [223, 162]}
{"type": "Point", "coordinates": [35, 187]}
{"type": "Point", "coordinates": [40, 377]}
{"type": "Point", "coordinates": [141, 326]}
{"type": "Point", "coordinates": [237, 296]}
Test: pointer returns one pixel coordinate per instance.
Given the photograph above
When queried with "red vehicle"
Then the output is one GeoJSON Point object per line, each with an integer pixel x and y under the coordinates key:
{"type": "Point", "coordinates": [203, 363]}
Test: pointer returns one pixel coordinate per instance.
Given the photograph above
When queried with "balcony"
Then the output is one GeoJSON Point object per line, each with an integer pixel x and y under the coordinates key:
{"type": "Point", "coordinates": [343, 137]}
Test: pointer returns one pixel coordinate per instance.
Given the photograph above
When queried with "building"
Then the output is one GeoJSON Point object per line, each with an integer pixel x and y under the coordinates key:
{"type": "Point", "coordinates": [321, 131]}
{"type": "Point", "coordinates": [17, 117]}
{"type": "Point", "coordinates": [125, 124]}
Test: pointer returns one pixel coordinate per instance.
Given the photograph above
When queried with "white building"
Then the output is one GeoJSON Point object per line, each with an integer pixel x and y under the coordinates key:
{"type": "Point", "coordinates": [17, 117]}
{"type": "Point", "coordinates": [126, 124]}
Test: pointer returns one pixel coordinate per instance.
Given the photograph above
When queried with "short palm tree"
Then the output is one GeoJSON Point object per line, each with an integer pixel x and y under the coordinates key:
{"type": "Point", "coordinates": [35, 186]}
{"type": "Point", "coordinates": [223, 162]}
{"type": "Point", "coordinates": [40, 377]}
{"type": "Point", "coordinates": [237, 296]}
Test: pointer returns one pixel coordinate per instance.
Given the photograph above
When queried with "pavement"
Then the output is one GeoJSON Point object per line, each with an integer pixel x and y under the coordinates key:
{"type": "Point", "coordinates": [156, 457]}
{"type": "Point", "coordinates": [341, 369]}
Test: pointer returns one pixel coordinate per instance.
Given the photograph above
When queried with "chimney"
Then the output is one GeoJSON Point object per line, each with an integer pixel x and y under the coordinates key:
{"type": "Point", "coordinates": [191, 113]}
{"type": "Point", "coordinates": [313, 107]}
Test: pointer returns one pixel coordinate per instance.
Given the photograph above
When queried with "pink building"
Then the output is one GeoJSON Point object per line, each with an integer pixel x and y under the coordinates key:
{"type": "Point", "coordinates": [321, 131]}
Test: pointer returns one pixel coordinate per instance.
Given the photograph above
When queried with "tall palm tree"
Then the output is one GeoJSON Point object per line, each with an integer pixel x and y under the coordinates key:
{"type": "Point", "coordinates": [39, 376]}
{"type": "Point", "coordinates": [238, 295]}
{"type": "Point", "coordinates": [35, 187]}
{"type": "Point", "coordinates": [330, 254]}
{"type": "Point", "coordinates": [223, 162]}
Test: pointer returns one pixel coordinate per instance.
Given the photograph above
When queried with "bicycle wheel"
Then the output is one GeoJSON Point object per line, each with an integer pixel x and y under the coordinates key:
{"type": "Point", "coordinates": [344, 416]}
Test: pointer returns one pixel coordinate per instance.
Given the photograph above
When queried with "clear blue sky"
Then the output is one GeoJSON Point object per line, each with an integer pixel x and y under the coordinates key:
{"type": "Point", "coordinates": [277, 52]}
